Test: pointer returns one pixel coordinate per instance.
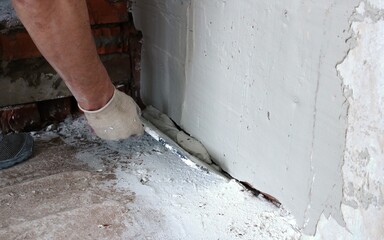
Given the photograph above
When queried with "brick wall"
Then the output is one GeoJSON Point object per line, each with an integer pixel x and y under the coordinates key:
{"type": "Point", "coordinates": [28, 82]}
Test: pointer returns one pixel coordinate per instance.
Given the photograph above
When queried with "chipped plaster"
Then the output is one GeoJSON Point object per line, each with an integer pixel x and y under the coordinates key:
{"type": "Point", "coordinates": [362, 72]}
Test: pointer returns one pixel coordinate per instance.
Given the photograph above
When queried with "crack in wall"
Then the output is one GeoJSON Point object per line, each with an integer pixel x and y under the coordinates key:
{"type": "Point", "coordinates": [312, 170]}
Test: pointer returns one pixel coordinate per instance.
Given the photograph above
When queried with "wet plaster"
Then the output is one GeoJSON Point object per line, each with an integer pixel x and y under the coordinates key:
{"type": "Point", "coordinates": [260, 91]}
{"type": "Point", "coordinates": [164, 52]}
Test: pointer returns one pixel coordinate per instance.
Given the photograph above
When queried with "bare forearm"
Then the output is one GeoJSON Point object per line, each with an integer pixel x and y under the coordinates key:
{"type": "Point", "coordinates": [61, 31]}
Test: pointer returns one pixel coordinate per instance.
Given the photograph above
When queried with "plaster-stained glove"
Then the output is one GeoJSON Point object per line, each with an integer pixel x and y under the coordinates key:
{"type": "Point", "coordinates": [117, 120]}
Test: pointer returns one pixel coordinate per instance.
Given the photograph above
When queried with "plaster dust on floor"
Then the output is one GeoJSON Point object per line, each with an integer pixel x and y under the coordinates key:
{"type": "Point", "coordinates": [79, 187]}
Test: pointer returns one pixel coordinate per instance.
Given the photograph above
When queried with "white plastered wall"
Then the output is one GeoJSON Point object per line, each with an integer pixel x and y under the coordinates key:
{"type": "Point", "coordinates": [261, 85]}
{"type": "Point", "coordinates": [164, 25]}
{"type": "Point", "coordinates": [362, 72]}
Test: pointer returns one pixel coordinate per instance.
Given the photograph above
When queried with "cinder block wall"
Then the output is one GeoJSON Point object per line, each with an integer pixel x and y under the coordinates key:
{"type": "Point", "coordinates": [26, 78]}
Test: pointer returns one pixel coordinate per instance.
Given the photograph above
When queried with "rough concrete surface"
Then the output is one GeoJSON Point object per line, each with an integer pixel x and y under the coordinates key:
{"type": "Point", "coordinates": [79, 187]}
{"type": "Point", "coordinates": [8, 18]}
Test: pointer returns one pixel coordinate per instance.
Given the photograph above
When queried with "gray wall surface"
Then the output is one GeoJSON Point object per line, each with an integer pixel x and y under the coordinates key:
{"type": "Point", "coordinates": [286, 95]}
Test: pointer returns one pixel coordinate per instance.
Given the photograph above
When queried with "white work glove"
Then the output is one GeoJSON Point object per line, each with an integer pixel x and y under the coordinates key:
{"type": "Point", "coordinates": [118, 119]}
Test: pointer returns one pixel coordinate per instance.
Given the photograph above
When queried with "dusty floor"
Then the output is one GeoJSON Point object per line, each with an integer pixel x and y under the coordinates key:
{"type": "Point", "coordinates": [78, 187]}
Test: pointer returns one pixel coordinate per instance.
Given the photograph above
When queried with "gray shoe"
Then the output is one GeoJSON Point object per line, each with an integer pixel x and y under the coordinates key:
{"type": "Point", "coordinates": [15, 148]}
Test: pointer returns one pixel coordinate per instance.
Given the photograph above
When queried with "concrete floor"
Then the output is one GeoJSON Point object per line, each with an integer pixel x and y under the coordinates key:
{"type": "Point", "coordinates": [79, 187]}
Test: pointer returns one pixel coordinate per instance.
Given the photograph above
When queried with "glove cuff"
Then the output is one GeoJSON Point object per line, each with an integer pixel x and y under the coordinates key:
{"type": "Point", "coordinates": [101, 109]}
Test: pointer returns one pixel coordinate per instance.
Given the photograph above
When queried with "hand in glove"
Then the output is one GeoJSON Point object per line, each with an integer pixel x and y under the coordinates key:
{"type": "Point", "coordinates": [118, 119]}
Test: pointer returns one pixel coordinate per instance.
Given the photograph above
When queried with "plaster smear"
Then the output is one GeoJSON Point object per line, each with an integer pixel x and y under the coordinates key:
{"type": "Point", "coordinates": [261, 91]}
{"type": "Point", "coordinates": [363, 75]}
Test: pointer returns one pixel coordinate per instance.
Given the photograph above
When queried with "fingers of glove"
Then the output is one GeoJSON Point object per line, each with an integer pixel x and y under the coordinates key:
{"type": "Point", "coordinates": [118, 120]}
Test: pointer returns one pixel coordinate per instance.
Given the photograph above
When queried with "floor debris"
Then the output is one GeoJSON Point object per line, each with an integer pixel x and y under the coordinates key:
{"type": "Point", "coordinates": [166, 125]}
{"type": "Point", "coordinates": [79, 187]}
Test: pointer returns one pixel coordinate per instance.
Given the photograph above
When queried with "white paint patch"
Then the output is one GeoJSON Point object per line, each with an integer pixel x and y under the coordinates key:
{"type": "Point", "coordinates": [363, 74]}
{"type": "Point", "coordinates": [363, 200]}
{"type": "Point", "coordinates": [361, 8]}
{"type": "Point", "coordinates": [379, 4]}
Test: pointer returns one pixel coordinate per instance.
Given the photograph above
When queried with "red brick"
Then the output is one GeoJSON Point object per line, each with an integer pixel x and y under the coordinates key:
{"type": "Point", "coordinates": [34, 116]}
{"type": "Point", "coordinates": [17, 45]}
{"type": "Point", "coordinates": [104, 11]}
{"type": "Point", "coordinates": [111, 40]}
{"type": "Point", "coordinates": [55, 110]}
{"type": "Point", "coordinates": [19, 118]}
